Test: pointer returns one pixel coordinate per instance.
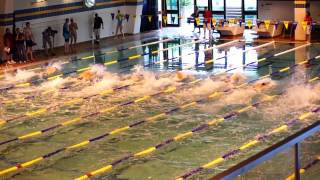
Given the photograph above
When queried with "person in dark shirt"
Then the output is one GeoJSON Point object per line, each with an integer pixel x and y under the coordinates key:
{"type": "Point", "coordinates": [8, 40]}
{"type": "Point", "coordinates": [20, 45]}
{"type": "Point", "coordinates": [47, 37]}
{"type": "Point", "coordinates": [98, 24]}
{"type": "Point", "coordinates": [195, 16]}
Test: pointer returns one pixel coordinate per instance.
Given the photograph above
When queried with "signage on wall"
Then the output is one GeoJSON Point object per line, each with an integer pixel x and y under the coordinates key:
{"type": "Point", "coordinates": [89, 3]}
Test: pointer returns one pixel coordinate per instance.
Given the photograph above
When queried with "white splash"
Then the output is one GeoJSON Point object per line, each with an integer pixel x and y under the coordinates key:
{"type": "Point", "coordinates": [20, 75]}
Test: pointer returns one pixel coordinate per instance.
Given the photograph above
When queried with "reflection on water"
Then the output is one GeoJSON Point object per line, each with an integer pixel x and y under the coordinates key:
{"type": "Point", "coordinates": [147, 79]}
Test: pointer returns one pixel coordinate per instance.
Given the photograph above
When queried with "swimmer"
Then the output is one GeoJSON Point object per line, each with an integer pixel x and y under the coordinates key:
{"type": "Point", "coordinates": [180, 76]}
{"type": "Point", "coordinates": [136, 77]}
{"type": "Point", "coordinates": [260, 86]}
{"type": "Point", "coordinates": [237, 78]}
{"type": "Point", "coordinates": [51, 70]}
{"type": "Point", "coordinates": [87, 75]}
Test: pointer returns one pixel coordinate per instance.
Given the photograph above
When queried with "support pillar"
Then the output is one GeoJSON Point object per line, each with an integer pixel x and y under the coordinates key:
{"type": "Point", "coordinates": [299, 15]}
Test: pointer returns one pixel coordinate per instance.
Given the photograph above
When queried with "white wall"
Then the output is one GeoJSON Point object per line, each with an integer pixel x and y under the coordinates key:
{"type": "Point", "coordinates": [276, 10]}
{"type": "Point", "coordinates": [83, 19]}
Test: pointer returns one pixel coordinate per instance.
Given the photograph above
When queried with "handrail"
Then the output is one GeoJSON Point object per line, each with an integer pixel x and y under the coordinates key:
{"type": "Point", "coordinates": [270, 152]}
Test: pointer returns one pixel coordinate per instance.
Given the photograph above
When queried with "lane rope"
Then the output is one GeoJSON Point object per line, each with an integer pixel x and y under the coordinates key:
{"type": "Point", "coordinates": [185, 134]}
{"type": "Point", "coordinates": [116, 131]}
{"type": "Point", "coordinates": [251, 143]}
{"type": "Point", "coordinates": [43, 110]}
{"type": "Point", "coordinates": [80, 70]}
{"type": "Point", "coordinates": [108, 52]}
{"type": "Point", "coordinates": [50, 91]}
{"type": "Point", "coordinates": [305, 168]}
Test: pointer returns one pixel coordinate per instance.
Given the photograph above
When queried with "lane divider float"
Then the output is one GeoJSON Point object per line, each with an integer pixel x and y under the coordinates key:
{"type": "Point", "coordinates": [250, 144]}
{"type": "Point", "coordinates": [305, 168]}
{"type": "Point", "coordinates": [116, 131]}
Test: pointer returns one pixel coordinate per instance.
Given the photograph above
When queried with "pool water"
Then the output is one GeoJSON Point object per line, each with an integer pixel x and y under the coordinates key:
{"type": "Point", "coordinates": [179, 157]}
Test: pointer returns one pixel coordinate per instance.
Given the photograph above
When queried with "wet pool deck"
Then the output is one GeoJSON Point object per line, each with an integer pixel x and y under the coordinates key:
{"type": "Point", "coordinates": [113, 42]}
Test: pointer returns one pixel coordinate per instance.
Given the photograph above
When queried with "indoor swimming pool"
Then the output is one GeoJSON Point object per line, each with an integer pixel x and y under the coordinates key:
{"type": "Point", "coordinates": [160, 108]}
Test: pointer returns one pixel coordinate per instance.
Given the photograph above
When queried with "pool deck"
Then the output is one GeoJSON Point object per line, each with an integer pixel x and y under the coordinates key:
{"type": "Point", "coordinates": [105, 43]}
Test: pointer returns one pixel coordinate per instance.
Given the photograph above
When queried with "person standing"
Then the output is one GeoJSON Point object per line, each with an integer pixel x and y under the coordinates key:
{"type": "Point", "coordinates": [66, 35]}
{"type": "Point", "coordinates": [8, 41]}
{"type": "Point", "coordinates": [73, 27]}
{"type": "Point", "coordinates": [195, 16]}
{"type": "Point", "coordinates": [29, 41]}
{"type": "Point", "coordinates": [97, 25]}
{"type": "Point", "coordinates": [21, 49]}
{"type": "Point", "coordinates": [47, 37]}
{"type": "Point", "coordinates": [308, 18]}
{"type": "Point", "coordinates": [119, 19]}
{"type": "Point", "coordinates": [207, 21]}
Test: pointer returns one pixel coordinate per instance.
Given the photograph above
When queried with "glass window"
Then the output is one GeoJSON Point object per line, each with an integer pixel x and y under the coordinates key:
{"type": "Point", "coordinates": [250, 5]}
{"type": "Point", "coordinates": [217, 5]}
{"type": "Point", "coordinates": [172, 4]}
{"type": "Point", "coordinates": [253, 18]}
{"type": "Point", "coordinates": [218, 16]}
{"type": "Point", "coordinates": [202, 4]}
{"type": "Point", "coordinates": [173, 19]}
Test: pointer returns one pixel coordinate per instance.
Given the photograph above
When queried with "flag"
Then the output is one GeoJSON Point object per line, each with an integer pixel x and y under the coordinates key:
{"type": "Point", "coordinates": [197, 21]}
{"type": "Point", "coordinates": [127, 17]}
{"type": "Point", "coordinates": [240, 22]}
{"type": "Point", "coordinates": [249, 23]}
{"type": "Point", "coordinates": [258, 23]}
{"type": "Point", "coordinates": [214, 21]}
{"type": "Point", "coordinates": [222, 23]}
{"type": "Point", "coordinates": [267, 24]}
{"type": "Point", "coordinates": [276, 25]}
{"type": "Point", "coordinates": [294, 25]}
{"type": "Point", "coordinates": [286, 24]}
{"type": "Point", "coordinates": [231, 21]}
{"type": "Point", "coordinates": [112, 16]}
{"type": "Point", "coordinates": [173, 19]}
{"type": "Point", "coordinates": [134, 16]}
{"type": "Point", "coordinates": [149, 18]}
{"type": "Point", "coordinates": [304, 25]}
{"type": "Point", "coordinates": [165, 19]}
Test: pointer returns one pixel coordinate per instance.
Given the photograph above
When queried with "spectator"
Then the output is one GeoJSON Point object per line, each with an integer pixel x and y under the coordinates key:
{"type": "Point", "coordinates": [20, 45]}
{"type": "Point", "coordinates": [308, 18]}
{"type": "Point", "coordinates": [73, 27]}
{"type": "Point", "coordinates": [119, 18]}
{"type": "Point", "coordinates": [8, 41]}
{"type": "Point", "coordinates": [66, 35]}
{"type": "Point", "coordinates": [195, 16]}
{"type": "Point", "coordinates": [97, 25]}
{"type": "Point", "coordinates": [207, 21]}
{"type": "Point", "coordinates": [47, 36]}
{"type": "Point", "coordinates": [29, 41]}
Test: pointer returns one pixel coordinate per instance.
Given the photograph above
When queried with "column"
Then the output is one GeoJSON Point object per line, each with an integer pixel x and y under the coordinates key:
{"type": "Point", "coordinates": [299, 14]}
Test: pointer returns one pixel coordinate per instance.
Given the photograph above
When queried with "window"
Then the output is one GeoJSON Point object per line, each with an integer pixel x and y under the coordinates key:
{"type": "Point", "coordinates": [172, 5]}
{"type": "Point", "coordinates": [217, 5]}
{"type": "Point", "coordinates": [202, 4]}
{"type": "Point", "coordinates": [250, 5]}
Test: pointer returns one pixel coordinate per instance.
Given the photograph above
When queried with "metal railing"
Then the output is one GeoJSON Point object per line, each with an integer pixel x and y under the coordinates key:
{"type": "Point", "coordinates": [253, 161]}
